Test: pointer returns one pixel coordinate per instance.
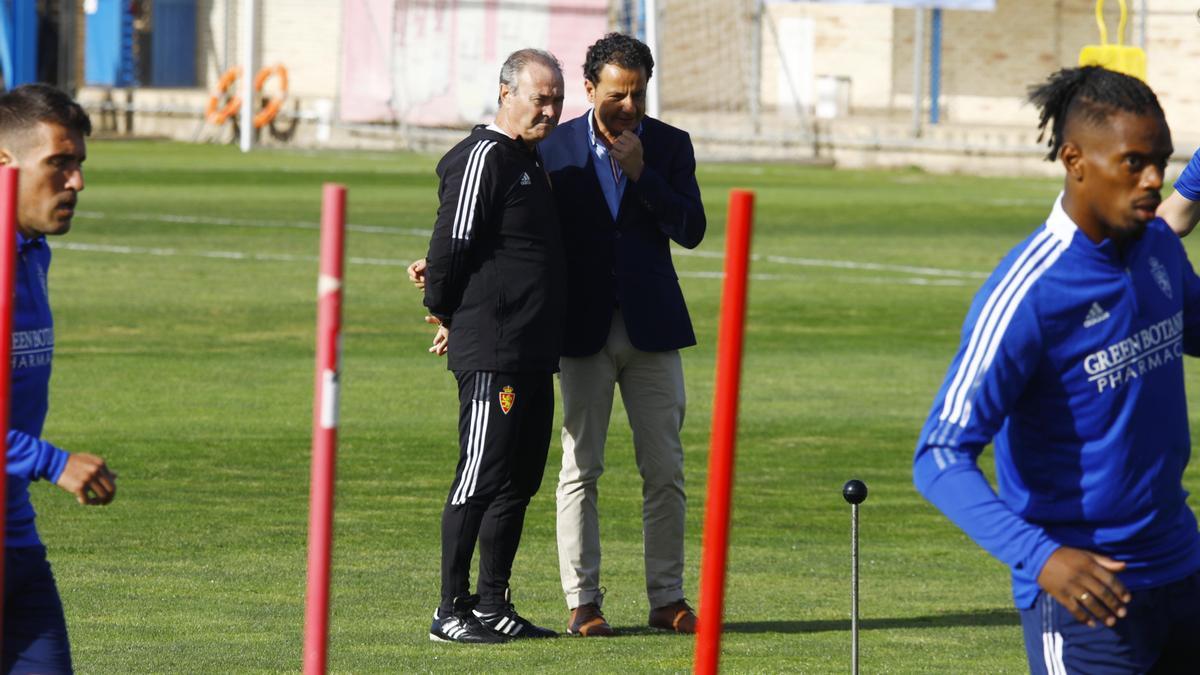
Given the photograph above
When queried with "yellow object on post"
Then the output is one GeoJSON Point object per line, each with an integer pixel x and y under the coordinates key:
{"type": "Point", "coordinates": [1119, 57]}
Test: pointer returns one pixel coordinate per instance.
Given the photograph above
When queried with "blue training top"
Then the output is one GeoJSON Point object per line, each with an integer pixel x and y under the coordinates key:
{"type": "Point", "coordinates": [1071, 362]}
{"type": "Point", "coordinates": [29, 457]}
{"type": "Point", "coordinates": [1188, 183]}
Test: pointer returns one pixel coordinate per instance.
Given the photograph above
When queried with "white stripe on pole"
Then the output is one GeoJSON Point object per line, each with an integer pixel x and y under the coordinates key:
{"type": "Point", "coordinates": [246, 118]}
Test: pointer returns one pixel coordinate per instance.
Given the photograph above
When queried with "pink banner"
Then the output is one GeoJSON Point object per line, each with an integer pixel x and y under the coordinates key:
{"type": "Point", "coordinates": [437, 62]}
{"type": "Point", "coordinates": [366, 81]}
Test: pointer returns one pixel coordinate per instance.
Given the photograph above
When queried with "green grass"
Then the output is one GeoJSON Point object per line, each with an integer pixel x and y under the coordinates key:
{"type": "Point", "coordinates": [192, 375]}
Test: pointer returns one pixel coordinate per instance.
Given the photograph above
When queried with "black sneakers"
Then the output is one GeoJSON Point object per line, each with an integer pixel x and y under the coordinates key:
{"type": "Point", "coordinates": [508, 623]}
{"type": "Point", "coordinates": [460, 625]}
{"type": "Point", "coordinates": [464, 624]}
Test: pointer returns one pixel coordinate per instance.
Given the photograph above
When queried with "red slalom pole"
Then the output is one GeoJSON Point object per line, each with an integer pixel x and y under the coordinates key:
{"type": "Point", "coordinates": [325, 423]}
{"type": "Point", "coordinates": [724, 431]}
{"type": "Point", "coordinates": [8, 263]}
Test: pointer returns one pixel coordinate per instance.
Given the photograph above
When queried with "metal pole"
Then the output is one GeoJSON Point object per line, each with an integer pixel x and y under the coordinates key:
{"type": "Point", "coordinates": [854, 589]}
{"type": "Point", "coordinates": [226, 58]}
{"type": "Point", "coordinates": [935, 65]}
{"type": "Point", "coordinates": [855, 493]}
{"type": "Point", "coordinates": [1142, 10]}
{"type": "Point", "coordinates": [652, 102]}
{"type": "Point", "coordinates": [756, 67]}
{"type": "Point", "coordinates": [66, 45]}
{"type": "Point", "coordinates": [249, 68]}
{"type": "Point", "coordinates": [918, 68]}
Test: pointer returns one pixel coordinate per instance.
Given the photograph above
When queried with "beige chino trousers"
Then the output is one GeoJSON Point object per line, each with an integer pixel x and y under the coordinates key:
{"type": "Point", "coordinates": [652, 390]}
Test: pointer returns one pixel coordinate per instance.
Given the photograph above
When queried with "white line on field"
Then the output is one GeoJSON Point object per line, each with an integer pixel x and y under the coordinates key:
{"type": "Point", "coordinates": [906, 281]}
{"type": "Point", "coordinates": [424, 234]}
{"type": "Point", "coordinates": [385, 262]}
{"type": "Point", "coordinates": [841, 264]}
{"type": "Point", "coordinates": [247, 222]}
{"type": "Point", "coordinates": [224, 255]}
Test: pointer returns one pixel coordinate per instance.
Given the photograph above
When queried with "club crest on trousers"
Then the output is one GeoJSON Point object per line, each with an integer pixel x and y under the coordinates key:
{"type": "Point", "coordinates": [507, 398]}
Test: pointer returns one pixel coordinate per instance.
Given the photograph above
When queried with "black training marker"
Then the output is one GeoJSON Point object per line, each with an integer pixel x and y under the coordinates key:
{"type": "Point", "coordinates": [855, 491]}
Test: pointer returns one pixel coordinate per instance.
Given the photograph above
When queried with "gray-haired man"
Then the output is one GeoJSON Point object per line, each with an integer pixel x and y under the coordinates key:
{"type": "Point", "coordinates": [495, 285]}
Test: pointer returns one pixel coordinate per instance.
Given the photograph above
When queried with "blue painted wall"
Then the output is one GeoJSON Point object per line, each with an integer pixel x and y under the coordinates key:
{"type": "Point", "coordinates": [108, 54]}
{"type": "Point", "coordinates": [173, 50]}
{"type": "Point", "coordinates": [18, 41]}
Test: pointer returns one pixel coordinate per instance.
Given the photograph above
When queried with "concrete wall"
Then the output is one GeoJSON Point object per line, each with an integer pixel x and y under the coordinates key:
{"type": "Point", "coordinates": [1173, 55]}
{"type": "Point", "coordinates": [990, 58]}
{"type": "Point", "coordinates": [303, 35]}
{"type": "Point", "coordinates": [850, 41]}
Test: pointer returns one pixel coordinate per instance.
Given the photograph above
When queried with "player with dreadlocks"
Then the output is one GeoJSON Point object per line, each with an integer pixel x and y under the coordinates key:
{"type": "Point", "coordinates": [1071, 365]}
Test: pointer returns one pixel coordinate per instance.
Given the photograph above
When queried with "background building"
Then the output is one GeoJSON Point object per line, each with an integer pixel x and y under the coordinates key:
{"type": "Point", "coordinates": [831, 80]}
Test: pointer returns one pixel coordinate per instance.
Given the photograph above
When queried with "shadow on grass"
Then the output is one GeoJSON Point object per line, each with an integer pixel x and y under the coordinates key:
{"type": "Point", "coordinates": [983, 617]}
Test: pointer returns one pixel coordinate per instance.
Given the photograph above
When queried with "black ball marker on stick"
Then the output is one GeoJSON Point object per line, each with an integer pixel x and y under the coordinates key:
{"type": "Point", "coordinates": [855, 493]}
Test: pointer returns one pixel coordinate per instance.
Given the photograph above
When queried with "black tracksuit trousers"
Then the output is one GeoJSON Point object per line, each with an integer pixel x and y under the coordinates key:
{"type": "Point", "coordinates": [504, 427]}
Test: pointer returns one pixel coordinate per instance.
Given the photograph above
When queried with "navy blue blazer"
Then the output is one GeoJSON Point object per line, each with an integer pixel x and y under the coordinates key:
{"type": "Point", "coordinates": [625, 264]}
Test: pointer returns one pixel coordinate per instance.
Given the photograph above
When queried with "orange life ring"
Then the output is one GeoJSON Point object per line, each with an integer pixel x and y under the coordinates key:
{"type": "Point", "coordinates": [216, 113]}
{"type": "Point", "coordinates": [271, 106]}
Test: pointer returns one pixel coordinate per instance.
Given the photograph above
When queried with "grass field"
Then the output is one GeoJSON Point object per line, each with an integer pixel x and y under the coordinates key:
{"type": "Point", "coordinates": [184, 301]}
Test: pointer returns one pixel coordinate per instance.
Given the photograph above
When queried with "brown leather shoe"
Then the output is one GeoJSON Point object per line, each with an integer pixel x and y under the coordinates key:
{"type": "Point", "coordinates": [677, 616]}
{"type": "Point", "coordinates": [587, 621]}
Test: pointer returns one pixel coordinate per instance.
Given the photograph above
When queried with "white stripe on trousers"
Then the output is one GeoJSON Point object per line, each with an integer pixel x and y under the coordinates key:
{"type": "Point", "coordinates": [1052, 640]}
{"type": "Point", "coordinates": [476, 435]}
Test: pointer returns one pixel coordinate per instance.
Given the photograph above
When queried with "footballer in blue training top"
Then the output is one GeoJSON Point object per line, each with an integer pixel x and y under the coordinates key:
{"type": "Point", "coordinates": [41, 134]}
{"type": "Point", "coordinates": [1071, 365]}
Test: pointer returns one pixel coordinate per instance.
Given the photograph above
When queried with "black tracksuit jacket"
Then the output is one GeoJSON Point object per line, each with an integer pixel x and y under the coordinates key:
{"type": "Point", "coordinates": [496, 274]}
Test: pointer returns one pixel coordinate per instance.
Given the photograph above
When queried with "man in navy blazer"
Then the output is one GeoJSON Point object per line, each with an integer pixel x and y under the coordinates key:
{"type": "Point", "coordinates": [626, 187]}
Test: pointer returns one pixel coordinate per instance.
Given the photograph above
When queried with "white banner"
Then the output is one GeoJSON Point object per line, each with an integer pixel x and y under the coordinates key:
{"type": "Point", "coordinates": [977, 5]}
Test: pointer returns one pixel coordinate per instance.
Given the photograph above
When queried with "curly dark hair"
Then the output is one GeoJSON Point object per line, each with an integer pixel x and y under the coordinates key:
{"type": "Point", "coordinates": [28, 104]}
{"type": "Point", "coordinates": [619, 50]}
{"type": "Point", "coordinates": [1090, 92]}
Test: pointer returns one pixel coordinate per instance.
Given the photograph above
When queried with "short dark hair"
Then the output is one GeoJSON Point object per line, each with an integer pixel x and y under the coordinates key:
{"type": "Point", "coordinates": [1090, 92]}
{"type": "Point", "coordinates": [28, 104]}
{"type": "Point", "coordinates": [620, 50]}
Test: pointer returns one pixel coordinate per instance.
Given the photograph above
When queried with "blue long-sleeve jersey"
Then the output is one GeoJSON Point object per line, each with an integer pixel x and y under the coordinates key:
{"type": "Point", "coordinates": [29, 457]}
{"type": "Point", "coordinates": [1071, 363]}
{"type": "Point", "coordinates": [1188, 183]}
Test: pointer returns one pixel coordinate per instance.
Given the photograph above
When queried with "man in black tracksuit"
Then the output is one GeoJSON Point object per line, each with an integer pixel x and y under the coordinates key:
{"type": "Point", "coordinates": [496, 285]}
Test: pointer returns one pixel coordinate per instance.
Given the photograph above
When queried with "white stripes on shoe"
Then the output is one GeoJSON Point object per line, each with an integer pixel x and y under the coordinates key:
{"type": "Point", "coordinates": [1052, 640]}
{"type": "Point", "coordinates": [481, 405]}
{"type": "Point", "coordinates": [454, 629]}
{"type": "Point", "coordinates": [507, 626]}
{"type": "Point", "coordinates": [990, 326]}
{"type": "Point", "coordinates": [451, 627]}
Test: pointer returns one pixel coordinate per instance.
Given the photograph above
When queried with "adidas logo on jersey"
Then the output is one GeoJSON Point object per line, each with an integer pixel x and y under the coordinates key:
{"type": "Point", "coordinates": [1095, 315]}
{"type": "Point", "coordinates": [525, 179]}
